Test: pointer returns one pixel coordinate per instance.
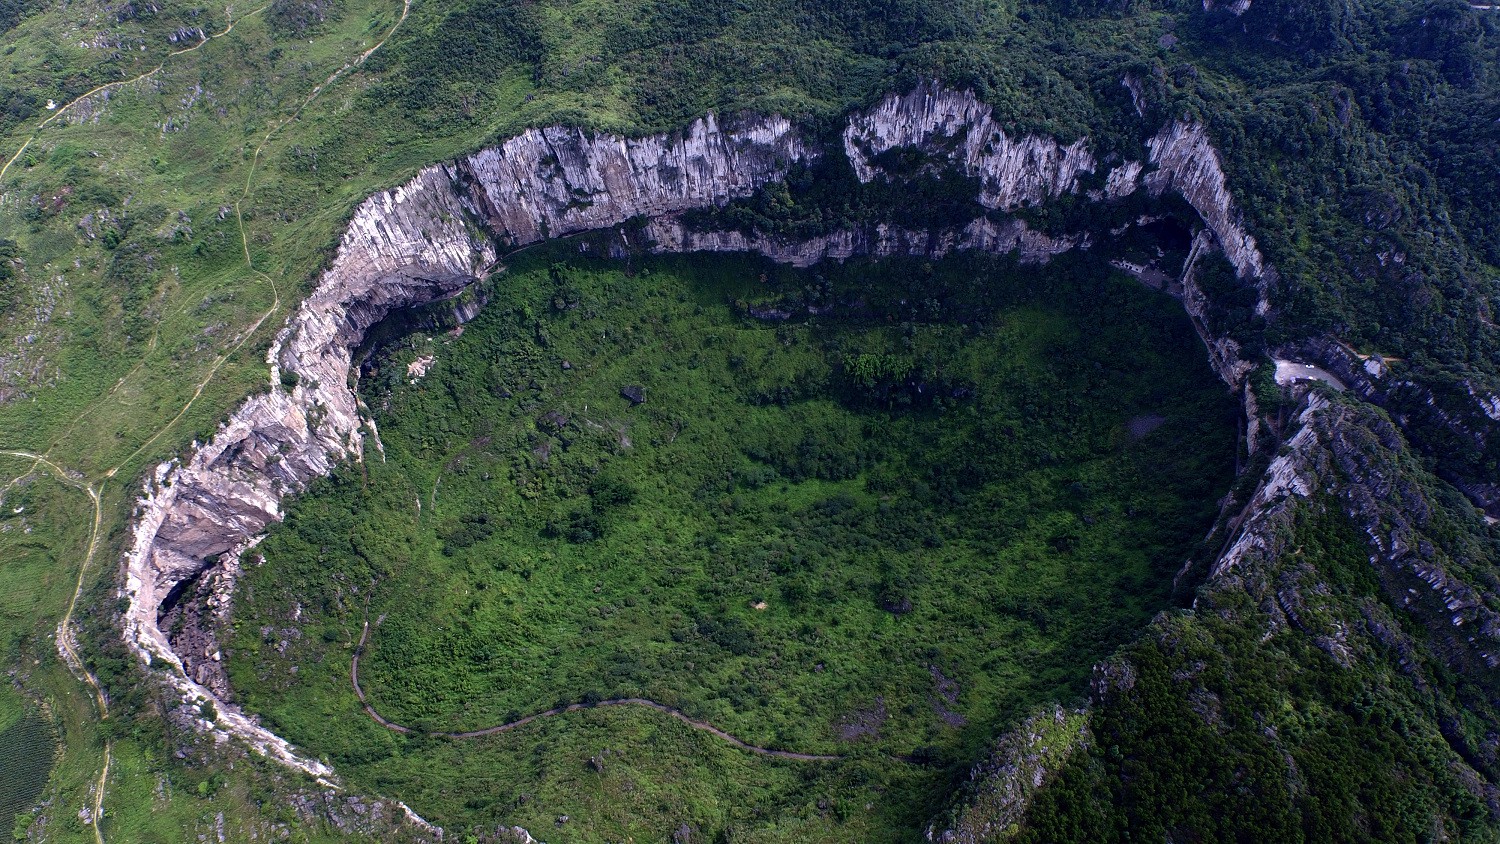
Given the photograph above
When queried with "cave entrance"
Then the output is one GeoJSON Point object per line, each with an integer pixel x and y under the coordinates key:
{"type": "Point", "coordinates": [1160, 240]}
{"type": "Point", "coordinates": [877, 511]}
{"type": "Point", "coordinates": [170, 608]}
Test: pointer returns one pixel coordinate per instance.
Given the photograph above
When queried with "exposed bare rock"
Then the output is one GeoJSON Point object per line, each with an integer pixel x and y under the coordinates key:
{"type": "Point", "coordinates": [1349, 457]}
{"type": "Point", "coordinates": [670, 234]}
{"type": "Point", "coordinates": [1014, 172]}
{"type": "Point", "coordinates": [403, 247]}
{"type": "Point", "coordinates": [1223, 352]}
{"type": "Point", "coordinates": [552, 182]}
{"type": "Point", "coordinates": [1132, 83]}
{"type": "Point", "coordinates": [1465, 412]}
{"type": "Point", "coordinates": [446, 228]}
{"type": "Point", "coordinates": [1187, 162]}
{"type": "Point", "coordinates": [955, 125]}
{"type": "Point", "coordinates": [1122, 180]}
{"type": "Point", "coordinates": [1292, 473]}
{"type": "Point", "coordinates": [1003, 785]}
{"type": "Point", "coordinates": [1355, 456]}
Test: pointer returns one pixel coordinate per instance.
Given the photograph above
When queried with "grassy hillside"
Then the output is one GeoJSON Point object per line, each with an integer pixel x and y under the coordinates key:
{"type": "Point", "coordinates": [154, 232]}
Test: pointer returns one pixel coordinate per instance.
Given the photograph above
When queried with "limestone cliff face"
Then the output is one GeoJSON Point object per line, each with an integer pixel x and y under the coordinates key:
{"type": "Point", "coordinates": [1349, 456]}
{"type": "Point", "coordinates": [670, 234]}
{"type": "Point", "coordinates": [447, 227]}
{"type": "Point", "coordinates": [553, 182]}
{"type": "Point", "coordinates": [418, 243]}
{"type": "Point", "coordinates": [1464, 412]}
{"type": "Point", "coordinates": [403, 247]}
{"type": "Point", "coordinates": [1187, 163]}
{"type": "Point", "coordinates": [954, 126]}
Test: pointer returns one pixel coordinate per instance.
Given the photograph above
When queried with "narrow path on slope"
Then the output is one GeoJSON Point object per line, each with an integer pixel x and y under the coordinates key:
{"type": "Point", "coordinates": [576, 707]}
{"type": "Point", "coordinates": [244, 236]}
{"type": "Point", "coordinates": [66, 644]}
{"type": "Point", "coordinates": [312, 95]}
{"type": "Point", "coordinates": [108, 86]}
{"type": "Point", "coordinates": [99, 797]}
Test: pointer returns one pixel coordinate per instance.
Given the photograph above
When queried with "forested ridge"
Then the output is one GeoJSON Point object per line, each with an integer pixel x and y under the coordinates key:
{"type": "Point", "coordinates": [153, 236]}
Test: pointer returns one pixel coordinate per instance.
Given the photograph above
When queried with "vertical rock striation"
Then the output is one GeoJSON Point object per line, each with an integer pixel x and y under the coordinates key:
{"type": "Point", "coordinates": [1187, 163]}
{"type": "Point", "coordinates": [431, 237]}
{"type": "Point", "coordinates": [554, 182]}
{"type": "Point", "coordinates": [954, 127]}
{"type": "Point", "coordinates": [670, 234]}
{"type": "Point", "coordinates": [418, 243]}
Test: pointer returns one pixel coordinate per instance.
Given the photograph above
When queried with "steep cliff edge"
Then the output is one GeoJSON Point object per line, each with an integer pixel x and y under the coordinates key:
{"type": "Point", "coordinates": [451, 224]}
{"type": "Point", "coordinates": [1342, 646]}
{"type": "Point", "coordinates": [418, 243]}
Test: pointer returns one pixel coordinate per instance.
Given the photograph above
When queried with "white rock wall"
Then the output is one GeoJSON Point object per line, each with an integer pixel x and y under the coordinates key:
{"type": "Point", "coordinates": [553, 182]}
{"type": "Point", "coordinates": [669, 234]}
{"type": "Point", "coordinates": [956, 127]}
{"type": "Point", "coordinates": [1187, 163]}
{"type": "Point", "coordinates": [429, 238]}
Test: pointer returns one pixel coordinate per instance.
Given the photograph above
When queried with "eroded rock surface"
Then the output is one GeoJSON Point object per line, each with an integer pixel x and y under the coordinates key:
{"type": "Point", "coordinates": [1012, 172]}
{"type": "Point", "coordinates": [1020, 764]}
{"type": "Point", "coordinates": [448, 226]}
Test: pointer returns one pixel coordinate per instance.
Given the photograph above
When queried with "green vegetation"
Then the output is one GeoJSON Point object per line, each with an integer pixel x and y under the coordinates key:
{"type": "Point", "coordinates": [42, 529]}
{"type": "Point", "coordinates": [885, 530]}
{"type": "Point", "coordinates": [27, 748]}
{"type": "Point", "coordinates": [124, 289]}
{"type": "Point", "coordinates": [1304, 732]}
{"type": "Point", "coordinates": [160, 233]}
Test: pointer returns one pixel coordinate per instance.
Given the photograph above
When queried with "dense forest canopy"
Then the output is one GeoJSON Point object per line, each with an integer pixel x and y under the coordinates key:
{"type": "Point", "coordinates": [178, 174]}
{"type": "Point", "coordinates": [1350, 131]}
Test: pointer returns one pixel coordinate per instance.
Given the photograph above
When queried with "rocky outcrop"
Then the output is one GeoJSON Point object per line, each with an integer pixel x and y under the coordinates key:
{"type": "Point", "coordinates": [418, 243]}
{"type": "Point", "coordinates": [1434, 621]}
{"type": "Point", "coordinates": [1354, 455]}
{"type": "Point", "coordinates": [958, 129]}
{"type": "Point", "coordinates": [448, 226]}
{"type": "Point", "coordinates": [1420, 570]}
{"type": "Point", "coordinates": [1293, 474]}
{"type": "Point", "coordinates": [553, 182]}
{"type": "Point", "coordinates": [1186, 162]}
{"type": "Point", "coordinates": [1224, 353]}
{"type": "Point", "coordinates": [1452, 423]}
{"type": "Point", "coordinates": [670, 234]}
{"type": "Point", "coordinates": [1002, 786]}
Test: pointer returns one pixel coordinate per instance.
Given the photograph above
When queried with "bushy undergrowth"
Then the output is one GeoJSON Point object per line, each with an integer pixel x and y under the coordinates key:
{"type": "Point", "coordinates": [870, 509]}
{"type": "Point", "coordinates": [27, 746]}
{"type": "Point", "coordinates": [1277, 735]}
{"type": "Point", "coordinates": [1358, 139]}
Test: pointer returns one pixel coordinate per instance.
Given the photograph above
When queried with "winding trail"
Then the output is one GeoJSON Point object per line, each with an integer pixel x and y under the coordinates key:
{"type": "Point", "coordinates": [99, 797]}
{"type": "Point", "coordinates": [229, 14]}
{"type": "Point", "coordinates": [245, 335]}
{"type": "Point", "coordinates": [239, 220]}
{"type": "Point", "coordinates": [244, 236]}
{"type": "Point", "coordinates": [65, 641]}
{"type": "Point", "coordinates": [559, 710]}
{"type": "Point", "coordinates": [312, 95]}
{"type": "Point", "coordinates": [66, 644]}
